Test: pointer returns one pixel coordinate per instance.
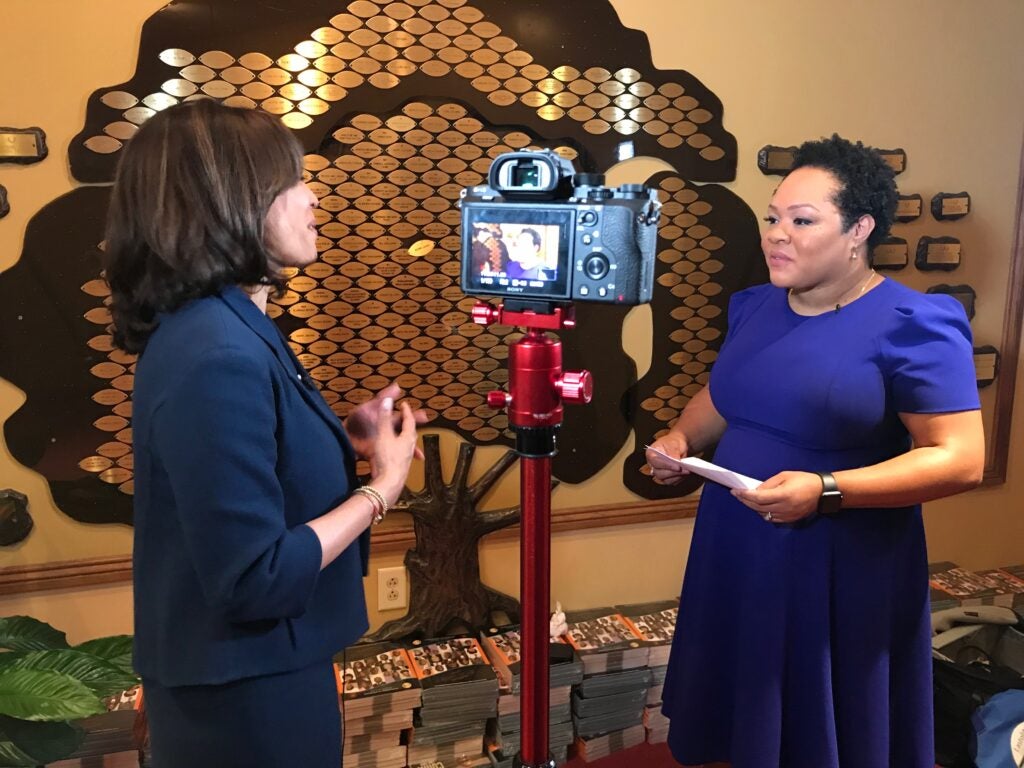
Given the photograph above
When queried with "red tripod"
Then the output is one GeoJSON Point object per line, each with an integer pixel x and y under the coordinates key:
{"type": "Point", "coordinates": [536, 389]}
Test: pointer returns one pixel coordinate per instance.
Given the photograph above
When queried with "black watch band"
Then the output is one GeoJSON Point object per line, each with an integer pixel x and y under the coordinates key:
{"type": "Point", "coordinates": [831, 497]}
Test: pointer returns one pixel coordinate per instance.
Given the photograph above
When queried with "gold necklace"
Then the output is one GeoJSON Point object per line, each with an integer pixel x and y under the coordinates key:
{"type": "Point", "coordinates": [840, 303]}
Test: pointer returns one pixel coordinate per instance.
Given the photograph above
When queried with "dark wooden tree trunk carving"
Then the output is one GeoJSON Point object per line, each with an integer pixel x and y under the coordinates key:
{"type": "Point", "coordinates": [444, 568]}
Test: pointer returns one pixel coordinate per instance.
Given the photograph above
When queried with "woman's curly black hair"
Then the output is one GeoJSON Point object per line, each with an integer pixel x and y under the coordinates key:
{"type": "Point", "coordinates": [867, 184]}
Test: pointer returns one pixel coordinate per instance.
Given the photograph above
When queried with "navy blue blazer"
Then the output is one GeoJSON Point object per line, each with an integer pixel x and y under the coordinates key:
{"type": "Point", "coordinates": [235, 450]}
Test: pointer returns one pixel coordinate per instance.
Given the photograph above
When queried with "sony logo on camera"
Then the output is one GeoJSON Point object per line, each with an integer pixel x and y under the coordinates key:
{"type": "Point", "coordinates": [540, 231]}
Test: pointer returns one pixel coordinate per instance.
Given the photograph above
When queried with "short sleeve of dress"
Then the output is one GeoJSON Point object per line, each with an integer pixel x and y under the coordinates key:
{"type": "Point", "coordinates": [930, 358]}
{"type": "Point", "coordinates": [741, 305]}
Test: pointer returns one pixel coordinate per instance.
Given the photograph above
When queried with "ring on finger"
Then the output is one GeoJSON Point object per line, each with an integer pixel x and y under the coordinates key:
{"type": "Point", "coordinates": [768, 516]}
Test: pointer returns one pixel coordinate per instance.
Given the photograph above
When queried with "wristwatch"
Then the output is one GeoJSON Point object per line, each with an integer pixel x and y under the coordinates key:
{"type": "Point", "coordinates": [831, 497]}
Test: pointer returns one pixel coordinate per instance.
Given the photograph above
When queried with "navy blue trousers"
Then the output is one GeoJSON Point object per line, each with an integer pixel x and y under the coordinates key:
{"type": "Point", "coordinates": [278, 721]}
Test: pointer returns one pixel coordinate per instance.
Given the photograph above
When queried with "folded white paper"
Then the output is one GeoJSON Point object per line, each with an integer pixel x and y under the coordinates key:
{"type": "Point", "coordinates": [713, 472]}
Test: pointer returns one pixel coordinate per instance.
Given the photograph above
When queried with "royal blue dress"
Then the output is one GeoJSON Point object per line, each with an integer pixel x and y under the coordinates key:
{"type": "Point", "coordinates": [807, 645]}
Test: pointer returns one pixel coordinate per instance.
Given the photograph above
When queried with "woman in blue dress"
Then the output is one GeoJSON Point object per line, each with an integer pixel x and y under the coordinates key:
{"type": "Point", "coordinates": [803, 636]}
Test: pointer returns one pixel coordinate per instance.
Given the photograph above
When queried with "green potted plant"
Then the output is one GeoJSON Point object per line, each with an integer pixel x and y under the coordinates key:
{"type": "Point", "coordinates": [46, 684]}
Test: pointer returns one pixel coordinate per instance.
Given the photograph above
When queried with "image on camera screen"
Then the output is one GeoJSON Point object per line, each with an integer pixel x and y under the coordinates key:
{"type": "Point", "coordinates": [517, 252]}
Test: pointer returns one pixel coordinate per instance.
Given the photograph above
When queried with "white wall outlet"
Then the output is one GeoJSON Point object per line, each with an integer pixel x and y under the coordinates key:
{"type": "Point", "coordinates": [392, 588]}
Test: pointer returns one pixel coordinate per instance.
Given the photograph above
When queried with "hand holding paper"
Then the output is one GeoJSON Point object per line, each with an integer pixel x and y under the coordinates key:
{"type": "Point", "coordinates": [712, 472]}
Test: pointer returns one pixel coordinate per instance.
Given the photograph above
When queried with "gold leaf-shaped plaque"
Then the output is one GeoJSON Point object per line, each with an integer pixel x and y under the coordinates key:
{"type": "Point", "coordinates": [113, 450]}
{"type": "Point", "coordinates": [452, 55]}
{"type": "Point", "coordinates": [326, 36]}
{"type": "Point", "coordinates": [382, 24]}
{"type": "Point", "coordinates": [313, 78]}
{"type": "Point", "coordinates": [179, 88]}
{"type": "Point", "coordinates": [331, 92]}
{"type": "Point", "coordinates": [534, 99]}
{"type": "Point", "coordinates": [581, 114]}
{"type": "Point", "coordinates": [566, 73]}
{"type": "Point", "coordinates": [503, 44]}
{"type": "Point", "coordinates": [293, 62]}
{"type": "Point", "coordinates": [103, 145]}
{"type": "Point", "coordinates": [348, 80]}
{"type": "Point", "coordinates": [384, 80]}
{"type": "Point", "coordinates": [626, 127]}
{"type": "Point", "coordinates": [597, 74]}
{"type": "Point", "coordinates": [218, 89]}
{"type": "Point", "coordinates": [95, 464]}
{"type": "Point", "coordinates": [176, 57]}
{"type": "Point", "coordinates": [434, 13]}
{"type": "Point", "coordinates": [314, 106]}
{"type": "Point", "coordinates": [627, 76]}
{"type": "Point", "coordinates": [596, 126]}
{"type": "Point", "coordinates": [295, 92]}
{"type": "Point", "coordinates": [435, 41]}
{"type": "Point", "coordinates": [329, 64]}
{"type": "Point", "coordinates": [217, 59]}
{"type": "Point", "coordinates": [671, 90]}
{"type": "Point", "coordinates": [653, 127]}
{"type": "Point", "coordinates": [119, 100]}
{"type": "Point", "coordinates": [399, 39]}
{"type": "Point", "coordinates": [346, 22]}
{"type": "Point", "coordinates": [237, 75]}
{"type": "Point", "coordinates": [310, 49]}
{"type": "Point", "coordinates": [685, 103]}
{"type": "Point", "coordinates": [712, 153]}
{"type": "Point", "coordinates": [257, 91]}
{"type": "Point", "coordinates": [612, 88]}
{"type": "Point", "coordinates": [364, 65]}
{"type": "Point", "coordinates": [435, 68]}
{"type": "Point", "coordinates": [363, 9]}
{"type": "Point", "coordinates": [550, 112]}
{"type": "Point", "coordinates": [627, 101]}
{"type": "Point", "coordinates": [452, 27]}
{"type": "Point", "coordinates": [255, 61]}
{"type": "Point", "coordinates": [198, 73]}
{"type": "Point", "coordinates": [502, 98]}
{"type": "Point", "coordinates": [138, 115]}
{"type": "Point", "coordinates": [565, 99]}
{"type": "Point", "coordinates": [276, 105]}
{"type": "Point", "coordinates": [518, 58]}
{"type": "Point", "coordinates": [518, 85]}
{"type": "Point", "coordinates": [115, 475]}
{"type": "Point", "coordinates": [382, 52]}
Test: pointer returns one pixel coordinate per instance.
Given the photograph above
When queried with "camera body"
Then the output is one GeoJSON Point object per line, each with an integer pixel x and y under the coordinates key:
{"type": "Point", "coordinates": [539, 231]}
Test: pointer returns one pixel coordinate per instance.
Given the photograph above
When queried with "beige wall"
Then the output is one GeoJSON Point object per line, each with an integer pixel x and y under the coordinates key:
{"type": "Point", "coordinates": [942, 79]}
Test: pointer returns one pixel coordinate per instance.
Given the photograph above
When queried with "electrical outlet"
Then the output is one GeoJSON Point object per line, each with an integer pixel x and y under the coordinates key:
{"type": "Point", "coordinates": [392, 589]}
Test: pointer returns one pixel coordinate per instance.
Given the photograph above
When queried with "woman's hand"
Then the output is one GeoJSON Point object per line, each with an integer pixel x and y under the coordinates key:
{"type": "Point", "coordinates": [784, 498]}
{"type": "Point", "coordinates": [668, 472]}
{"type": "Point", "coordinates": [361, 424]}
{"type": "Point", "coordinates": [393, 449]}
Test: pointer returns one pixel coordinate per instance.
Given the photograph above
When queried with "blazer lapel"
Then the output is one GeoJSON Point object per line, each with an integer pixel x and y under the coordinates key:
{"type": "Point", "coordinates": [266, 329]}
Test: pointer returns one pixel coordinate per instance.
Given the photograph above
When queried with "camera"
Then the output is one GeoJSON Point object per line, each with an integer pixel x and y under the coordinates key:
{"type": "Point", "coordinates": [540, 231]}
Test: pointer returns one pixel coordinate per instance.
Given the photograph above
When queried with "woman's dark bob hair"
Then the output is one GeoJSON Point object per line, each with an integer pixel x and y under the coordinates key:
{"type": "Point", "coordinates": [867, 184]}
{"type": "Point", "coordinates": [188, 208]}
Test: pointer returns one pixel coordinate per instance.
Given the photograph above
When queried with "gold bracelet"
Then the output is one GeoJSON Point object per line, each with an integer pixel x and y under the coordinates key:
{"type": "Point", "coordinates": [377, 500]}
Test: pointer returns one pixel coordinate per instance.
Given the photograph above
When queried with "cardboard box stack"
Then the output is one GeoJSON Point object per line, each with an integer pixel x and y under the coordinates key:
{"type": "Point", "coordinates": [502, 646]}
{"type": "Point", "coordinates": [379, 692]}
{"type": "Point", "coordinates": [608, 704]}
{"type": "Point", "coordinates": [460, 694]}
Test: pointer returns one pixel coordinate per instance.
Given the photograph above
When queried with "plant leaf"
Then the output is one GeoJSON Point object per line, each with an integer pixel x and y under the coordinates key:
{"type": "Point", "coordinates": [23, 633]}
{"type": "Point", "coordinates": [23, 743]}
{"type": "Point", "coordinates": [9, 657]}
{"type": "Point", "coordinates": [116, 649]}
{"type": "Point", "coordinates": [99, 675]}
{"type": "Point", "coordinates": [34, 694]}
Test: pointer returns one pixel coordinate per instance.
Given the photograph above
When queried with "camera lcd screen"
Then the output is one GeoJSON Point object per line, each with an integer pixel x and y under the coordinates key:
{"type": "Point", "coordinates": [517, 250]}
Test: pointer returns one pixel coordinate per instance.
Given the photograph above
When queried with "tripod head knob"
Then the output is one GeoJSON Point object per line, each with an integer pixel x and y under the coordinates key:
{"type": "Point", "coordinates": [498, 399]}
{"type": "Point", "coordinates": [576, 387]}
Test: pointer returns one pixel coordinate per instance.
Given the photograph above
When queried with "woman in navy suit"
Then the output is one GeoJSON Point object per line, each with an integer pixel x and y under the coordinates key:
{"type": "Point", "coordinates": [251, 532]}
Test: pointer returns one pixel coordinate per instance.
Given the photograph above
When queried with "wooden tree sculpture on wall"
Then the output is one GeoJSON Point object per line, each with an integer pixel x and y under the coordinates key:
{"type": "Point", "coordinates": [444, 567]}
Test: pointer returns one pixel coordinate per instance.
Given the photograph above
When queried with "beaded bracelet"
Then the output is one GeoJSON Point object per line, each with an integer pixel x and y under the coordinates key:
{"type": "Point", "coordinates": [377, 500]}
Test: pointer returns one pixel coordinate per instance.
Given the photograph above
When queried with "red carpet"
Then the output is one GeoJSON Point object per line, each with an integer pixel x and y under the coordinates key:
{"type": "Point", "coordinates": [641, 756]}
